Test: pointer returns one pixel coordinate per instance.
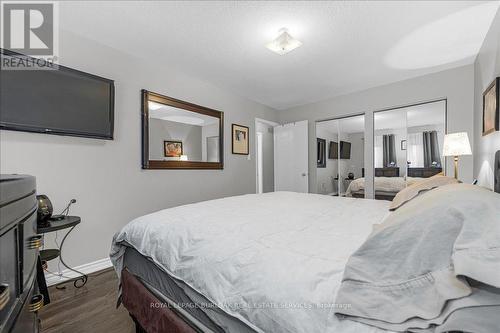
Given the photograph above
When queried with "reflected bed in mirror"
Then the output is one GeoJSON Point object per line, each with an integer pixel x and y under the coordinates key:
{"type": "Point", "coordinates": [180, 135]}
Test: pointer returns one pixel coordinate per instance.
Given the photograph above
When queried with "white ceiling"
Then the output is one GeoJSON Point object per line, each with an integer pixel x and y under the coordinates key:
{"type": "Point", "coordinates": [354, 124]}
{"type": "Point", "coordinates": [412, 116]}
{"type": "Point", "coordinates": [170, 113]}
{"type": "Point", "coordinates": [347, 45]}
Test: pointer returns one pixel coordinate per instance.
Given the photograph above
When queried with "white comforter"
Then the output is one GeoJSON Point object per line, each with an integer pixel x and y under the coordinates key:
{"type": "Point", "coordinates": [274, 260]}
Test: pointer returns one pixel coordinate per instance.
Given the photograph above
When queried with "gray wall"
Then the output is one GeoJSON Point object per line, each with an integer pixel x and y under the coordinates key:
{"type": "Point", "coordinates": [457, 85]}
{"type": "Point", "coordinates": [106, 176]}
{"type": "Point", "coordinates": [189, 135]}
{"type": "Point", "coordinates": [357, 160]}
{"type": "Point", "coordinates": [267, 156]}
{"type": "Point", "coordinates": [487, 67]}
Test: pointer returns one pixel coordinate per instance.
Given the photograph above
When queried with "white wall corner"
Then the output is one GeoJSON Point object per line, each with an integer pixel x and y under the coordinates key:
{"type": "Point", "coordinates": [91, 267]}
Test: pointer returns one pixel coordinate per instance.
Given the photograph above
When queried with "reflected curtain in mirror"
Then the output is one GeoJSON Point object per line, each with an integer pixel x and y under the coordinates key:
{"type": "Point", "coordinates": [389, 150]}
{"type": "Point", "coordinates": [432, 156]}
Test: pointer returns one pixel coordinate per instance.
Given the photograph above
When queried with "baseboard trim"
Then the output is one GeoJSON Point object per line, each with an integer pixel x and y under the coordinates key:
{"type": "Point", "coordinates": [91, 267]}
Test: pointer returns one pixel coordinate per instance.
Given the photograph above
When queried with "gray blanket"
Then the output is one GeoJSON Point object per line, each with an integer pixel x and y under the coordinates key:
{"type": "Point", "coordinates": [433, 266]}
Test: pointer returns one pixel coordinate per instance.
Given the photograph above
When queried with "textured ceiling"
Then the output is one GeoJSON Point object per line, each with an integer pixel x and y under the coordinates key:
{"type": "Point", "coordinates": [347, 46]}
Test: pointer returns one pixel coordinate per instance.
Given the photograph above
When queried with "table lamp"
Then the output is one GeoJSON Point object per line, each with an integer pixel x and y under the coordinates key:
{"type": "Point", "coordinates": [456, 144]}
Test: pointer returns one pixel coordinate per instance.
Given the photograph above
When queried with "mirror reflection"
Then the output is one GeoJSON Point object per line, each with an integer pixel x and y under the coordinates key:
{"type": "Point", "coordinates": [408, 146]}
{"type": "Point", "coordinates": [340, 156]}
{"type": "Point", "coordinates": [180, 135]}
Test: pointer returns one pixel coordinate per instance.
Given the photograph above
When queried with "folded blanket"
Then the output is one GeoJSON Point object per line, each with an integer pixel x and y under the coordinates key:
{"type": "Point", "coordinates": [433, 264]}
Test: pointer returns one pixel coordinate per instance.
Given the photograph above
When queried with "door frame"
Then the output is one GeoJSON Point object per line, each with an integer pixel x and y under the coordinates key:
{"type": "Point", "coordinates": [267, 122]}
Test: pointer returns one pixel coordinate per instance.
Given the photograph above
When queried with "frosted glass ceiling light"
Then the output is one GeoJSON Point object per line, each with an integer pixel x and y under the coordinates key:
{"type": "Point", "coordinates": [284, 43]}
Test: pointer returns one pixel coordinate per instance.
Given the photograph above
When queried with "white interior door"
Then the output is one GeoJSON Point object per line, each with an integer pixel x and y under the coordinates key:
{"type": "Point", "coordinates": [260, 169]}
{"type": "Point", "coordinates": [291, 157]}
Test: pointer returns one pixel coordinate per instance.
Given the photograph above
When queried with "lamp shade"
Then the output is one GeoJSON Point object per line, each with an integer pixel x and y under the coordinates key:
{"type": "Point", "coordinates": [456, 144]}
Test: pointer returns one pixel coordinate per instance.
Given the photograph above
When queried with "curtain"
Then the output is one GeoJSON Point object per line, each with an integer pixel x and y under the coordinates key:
{"type": "Point", "coordinates": [415, 150]}
{"type": "Point", "coordinates": [432, 156]}
{"type": "Point", "coordinates": [389, 150]}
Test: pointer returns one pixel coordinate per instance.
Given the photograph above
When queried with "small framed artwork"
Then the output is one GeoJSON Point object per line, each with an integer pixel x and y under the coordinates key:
{"type": "Point", "coordinates": [320, 153]}
{"type": "Point", "coordinates": [240, 139]}
{"type": "Point", "coordinates": [491, 117]}
{"type": "Point", "coordinates": [403, 144]}
{"type": "Point", "coordinates": [172, 148]}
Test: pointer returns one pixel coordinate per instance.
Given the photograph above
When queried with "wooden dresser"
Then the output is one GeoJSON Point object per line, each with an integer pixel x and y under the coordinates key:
{"type": "Point", "coordinates": [19, 244]}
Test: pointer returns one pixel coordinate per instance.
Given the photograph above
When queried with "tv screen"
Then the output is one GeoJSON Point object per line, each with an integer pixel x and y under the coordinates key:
{"type": "Point", "coordinates": [56, 101]}
{"type": "Point", "coordinates": [345, 150]}
{"type": "Point", "coordinates": [333, 152]}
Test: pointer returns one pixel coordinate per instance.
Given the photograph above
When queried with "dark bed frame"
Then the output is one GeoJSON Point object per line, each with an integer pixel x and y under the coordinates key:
{"type": "Point", "coordinates": [412, 172]}
{"type": "Point", "coordinates": [137, 299]}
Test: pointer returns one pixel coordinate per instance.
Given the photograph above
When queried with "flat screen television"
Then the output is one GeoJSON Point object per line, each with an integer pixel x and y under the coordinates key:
{"type": "Point", "coordinates": [60, 101]}
{"type": "Point", "coordinates": [333, 152]}
{"type": "Point", "coordinates": [345, 150]}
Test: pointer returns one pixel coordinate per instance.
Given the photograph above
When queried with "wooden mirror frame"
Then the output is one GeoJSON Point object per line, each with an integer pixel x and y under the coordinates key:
{"type": "Point", "coordinates": [147, 96]}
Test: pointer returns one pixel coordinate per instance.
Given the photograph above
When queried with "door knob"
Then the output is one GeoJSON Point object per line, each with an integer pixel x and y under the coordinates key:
{"type": "Point", "coordinates": [304, 174]}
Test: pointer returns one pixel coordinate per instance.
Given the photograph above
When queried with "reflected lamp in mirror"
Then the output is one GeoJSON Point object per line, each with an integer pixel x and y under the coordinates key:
{"type": "Point", "coordinates": [180, 135]}
{"type": "Point", "coordinates": [456, 144]}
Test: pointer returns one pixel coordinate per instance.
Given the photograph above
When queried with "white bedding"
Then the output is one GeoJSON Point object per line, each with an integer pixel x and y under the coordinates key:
{"type": "Point", "coordinates": [274, 260]}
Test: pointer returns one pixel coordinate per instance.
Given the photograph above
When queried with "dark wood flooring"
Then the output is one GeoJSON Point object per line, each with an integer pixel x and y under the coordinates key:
{"type": "Point", "coordinates": [88, 309]}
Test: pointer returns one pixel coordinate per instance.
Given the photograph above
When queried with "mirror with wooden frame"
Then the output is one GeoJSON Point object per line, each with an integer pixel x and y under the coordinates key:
{"type": "Point", "coordinates": [180, 135]}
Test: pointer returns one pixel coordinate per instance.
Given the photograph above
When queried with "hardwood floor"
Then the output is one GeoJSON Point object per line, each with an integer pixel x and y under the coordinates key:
{"type": "Point", "coordinates": [88, 309]}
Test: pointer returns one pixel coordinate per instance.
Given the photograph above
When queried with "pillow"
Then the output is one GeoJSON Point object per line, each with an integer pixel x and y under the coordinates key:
{"type": "Point", "coordinates": [414, 190]}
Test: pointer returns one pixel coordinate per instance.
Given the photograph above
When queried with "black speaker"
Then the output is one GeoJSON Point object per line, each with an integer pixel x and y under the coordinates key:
{"type": "Point", "coordinates": [45, 209]}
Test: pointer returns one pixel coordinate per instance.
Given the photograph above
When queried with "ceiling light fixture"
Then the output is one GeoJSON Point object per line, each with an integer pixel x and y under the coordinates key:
{"type": "Point", "coordinates": [284, 43]}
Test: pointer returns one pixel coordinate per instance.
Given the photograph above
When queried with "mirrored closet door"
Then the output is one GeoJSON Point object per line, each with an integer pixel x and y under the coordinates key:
{"type": "Point", "coordinates": [340, 156]}
{"type": "Point", "coordinates": [407, 146]}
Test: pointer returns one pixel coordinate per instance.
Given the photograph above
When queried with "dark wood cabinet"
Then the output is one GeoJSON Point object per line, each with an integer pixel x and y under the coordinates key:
{"type": "Point", "coordinates": [19, 244]}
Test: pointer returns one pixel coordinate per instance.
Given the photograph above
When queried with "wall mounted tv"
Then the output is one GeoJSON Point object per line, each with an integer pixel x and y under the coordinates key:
{"type": "Point", "coordinates": [345, 150]}
{"type": "Point", "coordinates": [60, 101]}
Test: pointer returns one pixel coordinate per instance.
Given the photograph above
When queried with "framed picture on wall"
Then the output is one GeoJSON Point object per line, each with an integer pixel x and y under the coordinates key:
{"type": "Point", "coordinates": [403, 144]}
{"type": "Point", "coordinates": [240, 142]}
{"type": "Point", "coordinates": [172, 148]}
{"type": "Point", "coordinates": [491, 116]}
{"type": "Point", "coordinates": [321, 153]}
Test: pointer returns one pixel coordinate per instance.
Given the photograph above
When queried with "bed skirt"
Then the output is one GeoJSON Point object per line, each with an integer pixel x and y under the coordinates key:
{"type": "Point", "coordinates": [144, 308]}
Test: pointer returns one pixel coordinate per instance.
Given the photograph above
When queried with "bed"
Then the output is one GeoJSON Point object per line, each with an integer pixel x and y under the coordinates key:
{"type": "Point", "coordinates": [252, 263]}
{"type": "Point", "coordinates": [386, 188]}
{"type": "Point", "coordinates": [273, 262]}
{"type": "Point", "coordinates": [388, 182]}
